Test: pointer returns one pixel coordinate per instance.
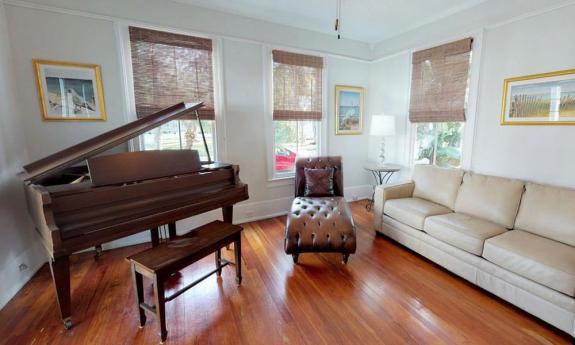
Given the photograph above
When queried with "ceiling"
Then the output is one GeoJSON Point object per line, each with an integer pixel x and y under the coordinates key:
{"type": "Point", "coordinates": [369, 21]}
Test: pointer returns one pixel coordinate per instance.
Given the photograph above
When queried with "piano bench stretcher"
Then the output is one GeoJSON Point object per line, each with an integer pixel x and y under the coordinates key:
{"type": "Point", "coordinates": [160, 262]}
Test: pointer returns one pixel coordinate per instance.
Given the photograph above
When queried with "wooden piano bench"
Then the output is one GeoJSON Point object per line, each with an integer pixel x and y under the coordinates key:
{"type": "Point", "coordinates": [160, 262]}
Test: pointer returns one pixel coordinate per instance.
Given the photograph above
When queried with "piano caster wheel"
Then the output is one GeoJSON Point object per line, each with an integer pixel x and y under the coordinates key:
{"type": "Point", "coordinates": [68, 323]}
{"type": "Point", "coordinates": [97, 252]}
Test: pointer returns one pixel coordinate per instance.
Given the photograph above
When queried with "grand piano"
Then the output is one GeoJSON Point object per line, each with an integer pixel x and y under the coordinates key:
{"type": "Point", "coordinates": [79, 199]}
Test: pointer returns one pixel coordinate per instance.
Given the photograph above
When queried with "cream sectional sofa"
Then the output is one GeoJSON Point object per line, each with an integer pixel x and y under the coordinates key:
{"type": "Point", "coordinates": [514, 239]}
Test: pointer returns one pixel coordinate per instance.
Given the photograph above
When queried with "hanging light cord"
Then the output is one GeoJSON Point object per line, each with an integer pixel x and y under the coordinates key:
{"type": "Point", "coordinates": [338, 19]}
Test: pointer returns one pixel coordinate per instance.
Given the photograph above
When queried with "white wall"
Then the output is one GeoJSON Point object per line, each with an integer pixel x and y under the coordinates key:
{"type": "Point", "coordinates": [352, 148]}
{"type": "Point", "coordinates": [62, 37]}
{"type": "Point", "coordinates": [18, 244]}
{"type": "Point", "coordinates": [182, 16]}
{"type": "Point", "coordinates": [389, 94]}
{"type": "Point", "coordinates": [56, 34]}
{"type": "Point", "coordinates": [533, 45]}
{"type": "Point", "coordinates": [525, 45]}
{"type": "Point", "coordinates": [471, 20]}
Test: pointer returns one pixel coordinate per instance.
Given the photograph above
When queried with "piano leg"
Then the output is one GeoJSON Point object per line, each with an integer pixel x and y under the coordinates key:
{"type": "Point", "coordinates": [228, 215]}
{"type": "Point", "coordinates": [60, 268]}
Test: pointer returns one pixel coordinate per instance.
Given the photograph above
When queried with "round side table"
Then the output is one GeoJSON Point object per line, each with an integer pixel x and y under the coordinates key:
{"type": "Point", "coordinates": [382, 174]}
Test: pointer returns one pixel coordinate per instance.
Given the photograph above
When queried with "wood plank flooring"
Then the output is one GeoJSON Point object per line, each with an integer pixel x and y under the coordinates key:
{"type": "Point", "coordinates": [385, 295]}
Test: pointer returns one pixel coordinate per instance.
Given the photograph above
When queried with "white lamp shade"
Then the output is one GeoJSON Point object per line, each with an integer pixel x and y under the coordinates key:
{"type": "Point", "coordinates": [382, 126]}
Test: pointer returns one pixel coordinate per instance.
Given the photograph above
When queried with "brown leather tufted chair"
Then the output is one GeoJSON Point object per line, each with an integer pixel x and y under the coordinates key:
{"type": "Point", "coordinates": [319, 224]}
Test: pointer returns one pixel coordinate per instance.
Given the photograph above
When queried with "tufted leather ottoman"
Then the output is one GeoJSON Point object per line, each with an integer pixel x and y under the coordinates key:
{"type": "Point", "coordinates": [319, 224]}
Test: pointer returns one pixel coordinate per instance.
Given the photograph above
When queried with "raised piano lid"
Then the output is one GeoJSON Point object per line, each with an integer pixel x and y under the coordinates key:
{"type": "Point", "coordinates": [74, 154]}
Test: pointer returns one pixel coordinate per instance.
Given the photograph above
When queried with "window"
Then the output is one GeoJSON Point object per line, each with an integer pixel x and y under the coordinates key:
{"type": "Point", "coordinates": [297, 108]}
{"type": "Point", "coordinates": [169, 68]}
{"type": "Point", "coordinates": [439, 144]}
{"type": "Point", "coordinates": [439, 92]}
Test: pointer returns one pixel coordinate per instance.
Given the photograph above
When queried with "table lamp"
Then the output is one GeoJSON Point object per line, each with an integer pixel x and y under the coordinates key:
{"type": "Point", "coordinates": [382, 126]}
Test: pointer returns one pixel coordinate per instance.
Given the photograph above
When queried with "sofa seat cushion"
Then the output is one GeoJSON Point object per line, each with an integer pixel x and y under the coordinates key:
{"type": "Point", "coordinates": [413, 211]}
{"type": "Point", "coordinates": [462, 231]}
{"type": "Point", "coordinates": [547, 262]}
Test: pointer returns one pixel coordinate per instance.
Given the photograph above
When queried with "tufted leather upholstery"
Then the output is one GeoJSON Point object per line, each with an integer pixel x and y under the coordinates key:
{"type": "Point", "coordinates": [318, 163]}
{"type": "Point", "coordinates": [322, 224]}
{"type": "Point", "coordinates": [319, 224]}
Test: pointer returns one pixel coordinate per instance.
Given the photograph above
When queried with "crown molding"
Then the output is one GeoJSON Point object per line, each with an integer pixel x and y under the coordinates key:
{"type": "Point", "coordinates": [373, 59]}
{"type": "Point", "coordinates": [131, 21]}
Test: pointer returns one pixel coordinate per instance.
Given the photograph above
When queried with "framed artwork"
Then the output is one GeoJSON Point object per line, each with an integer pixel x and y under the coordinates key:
{"type": "Point", "coordinates": [349, 102]}
{"type": "Point", "coordinates": [70, 91]}
{"type": "Point", "coordinates": [540, 99]}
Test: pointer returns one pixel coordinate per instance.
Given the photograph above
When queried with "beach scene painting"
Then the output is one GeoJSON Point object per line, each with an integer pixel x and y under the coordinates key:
{"type": "Point", "coordinates": [544, 99]}
{"type": "Point", "coordinates": [349, 102]}
{"type": "Point", "coordinates": [70, 91]}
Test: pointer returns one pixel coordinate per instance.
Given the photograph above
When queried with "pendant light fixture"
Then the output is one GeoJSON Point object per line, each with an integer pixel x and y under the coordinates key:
{"type": "Point", "coordinates": [338, 19]}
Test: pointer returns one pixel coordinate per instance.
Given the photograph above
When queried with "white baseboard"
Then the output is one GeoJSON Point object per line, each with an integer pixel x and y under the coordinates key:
{"type": "Point", "coordinates": [13, 279]}
{"type": "Point", "coordinates": [358, 192]}
{"type": "Point", "coordinates": [243, 213]}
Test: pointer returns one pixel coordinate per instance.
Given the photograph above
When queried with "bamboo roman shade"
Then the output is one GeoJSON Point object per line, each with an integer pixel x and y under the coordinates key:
{"type": "Point", "coordinates": [297, 88]}
{"type": "Point", "coordinates": [170, 68]}
{"type": "Point", "coordinates": [439, 82]}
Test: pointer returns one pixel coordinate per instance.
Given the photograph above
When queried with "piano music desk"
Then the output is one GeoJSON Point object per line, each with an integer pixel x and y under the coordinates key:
{"type": "Point", "coordinates": [160, 262]}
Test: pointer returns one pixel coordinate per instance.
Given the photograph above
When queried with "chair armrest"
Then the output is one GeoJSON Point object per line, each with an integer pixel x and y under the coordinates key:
{"type": "Point", "coordinates": [389, 192]}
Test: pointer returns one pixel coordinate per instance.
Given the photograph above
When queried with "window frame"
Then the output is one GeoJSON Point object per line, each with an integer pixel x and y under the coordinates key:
{"type": "Point", "coordinates": [125, 57]}
{"type": "Point", "coordinates": [468, 136]}
{"type": "Point", "coordinates": [269, 125]}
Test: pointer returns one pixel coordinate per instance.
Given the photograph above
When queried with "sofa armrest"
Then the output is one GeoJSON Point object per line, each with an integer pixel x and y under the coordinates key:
{"type": "Point", "coordinates": [389, 192]}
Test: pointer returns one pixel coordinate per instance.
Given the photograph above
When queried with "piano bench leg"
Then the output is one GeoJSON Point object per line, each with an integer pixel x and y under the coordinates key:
{"type": "Point", "coordinates": [219, 262]}
{"type": "Point", "coordinates": [160, 307]}
{"type": "Point", "coordinates": [139, 290]}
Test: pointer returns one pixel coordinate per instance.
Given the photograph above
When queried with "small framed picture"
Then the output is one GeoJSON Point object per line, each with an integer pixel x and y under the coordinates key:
{"type": "Point", "coordinates": [349, 102]}
{"type": "Point", "coordinates": [539, 99]}
{"type": "Point", "coordinates": [70, 91]}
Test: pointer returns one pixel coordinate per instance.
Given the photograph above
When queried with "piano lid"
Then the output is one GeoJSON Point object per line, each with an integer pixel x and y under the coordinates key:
{"type": "Point", "coordinates": [74, 154]}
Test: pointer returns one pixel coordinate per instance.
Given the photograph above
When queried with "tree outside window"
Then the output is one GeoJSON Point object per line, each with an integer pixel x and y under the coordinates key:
{"type": "Point", "coordinates": [439, 144]}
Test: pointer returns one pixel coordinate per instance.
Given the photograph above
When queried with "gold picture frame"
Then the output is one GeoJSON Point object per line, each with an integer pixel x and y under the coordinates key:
{"type": "Point", "coordinates": [69, 91]}
{"type": "Point", "coordinates": [539, 99]}
{"type": "Point", "coordinates": [349, 107]}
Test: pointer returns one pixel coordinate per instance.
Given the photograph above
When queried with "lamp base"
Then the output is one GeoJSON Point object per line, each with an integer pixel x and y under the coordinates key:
{"type": "Point", "coordinates": [382, 152]}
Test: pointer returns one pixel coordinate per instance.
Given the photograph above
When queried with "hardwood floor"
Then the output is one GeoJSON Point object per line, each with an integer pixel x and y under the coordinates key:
{"type": "Point", "coordinates": [385, 295]}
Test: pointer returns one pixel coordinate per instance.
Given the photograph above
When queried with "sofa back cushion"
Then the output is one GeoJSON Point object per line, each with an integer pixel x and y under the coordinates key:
{"type": "Point", "coordinates": [495, 199]}
{"type": "Point", "coordinates": [549, 212]}
{"type": "Point", "coordinates": [435, 184]}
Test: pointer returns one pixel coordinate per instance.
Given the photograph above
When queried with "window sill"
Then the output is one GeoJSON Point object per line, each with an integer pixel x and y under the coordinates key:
{"type": "Point", "coordinates": [281, 181]}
